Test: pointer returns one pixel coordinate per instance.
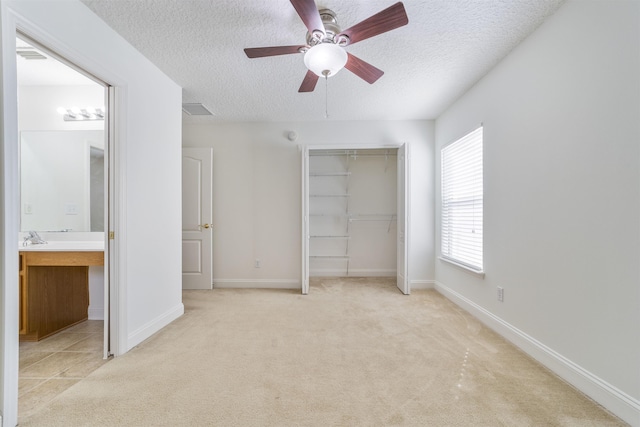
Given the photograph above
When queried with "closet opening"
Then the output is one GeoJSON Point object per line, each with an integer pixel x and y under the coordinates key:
{"type": "Point", "coordinates": [354, 206]}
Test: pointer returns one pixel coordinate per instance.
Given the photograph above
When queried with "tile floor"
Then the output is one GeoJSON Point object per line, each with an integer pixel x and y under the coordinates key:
{"type": "Point", "coordinates": [52, 365]}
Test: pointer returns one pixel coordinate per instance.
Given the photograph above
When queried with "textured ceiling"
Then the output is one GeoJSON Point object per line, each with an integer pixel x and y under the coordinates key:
{"type": "Point", "coordinates": [447, 46]}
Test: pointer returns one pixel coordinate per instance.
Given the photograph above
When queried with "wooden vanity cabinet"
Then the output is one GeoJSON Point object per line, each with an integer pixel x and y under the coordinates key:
{"type": "Point", "coordinates": [54, 290]}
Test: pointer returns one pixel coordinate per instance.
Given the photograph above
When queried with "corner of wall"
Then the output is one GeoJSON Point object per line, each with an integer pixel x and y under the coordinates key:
{"type": "Point", "coordinates": [153, 326]}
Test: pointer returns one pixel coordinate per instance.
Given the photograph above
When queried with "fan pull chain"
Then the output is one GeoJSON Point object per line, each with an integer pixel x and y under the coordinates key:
{"type": "Point", "coordinates": [326, 96]}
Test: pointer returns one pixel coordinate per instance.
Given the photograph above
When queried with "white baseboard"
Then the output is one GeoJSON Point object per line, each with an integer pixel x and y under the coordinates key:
{"type": "Point", "coordinates": [96, 313]}
{"type": "Point", "coordinates": [619, 403]}
{"type": "Point", "coordinates": [341, 272]}
{"type": "Point", "coordinates": [150, 328]}
{"type": "Point", "coordinates": [256, 284]}
{"type": "Point", "coordinates": [295, 284]}
{"type": "Point", "coordinates": [421, 284]}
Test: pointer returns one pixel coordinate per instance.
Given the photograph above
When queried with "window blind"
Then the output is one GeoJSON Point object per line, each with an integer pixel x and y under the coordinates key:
{"type": "Point", "coordinates": [462, 201]}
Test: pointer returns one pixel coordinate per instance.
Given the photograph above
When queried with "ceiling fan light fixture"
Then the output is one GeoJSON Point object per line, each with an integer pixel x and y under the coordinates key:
{"type": "Point", "coordinates": [325, 59]}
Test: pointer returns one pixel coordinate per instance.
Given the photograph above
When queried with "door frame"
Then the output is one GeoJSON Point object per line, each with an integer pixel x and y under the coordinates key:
{"type": "Point", "coordinates": [109, 177]}
{"type": "Point", "coordinates": [305, 203]}
{"type": "Point", "coordinates": [11, 24]}
{"type": "Point", "coordinates": [403, 201]}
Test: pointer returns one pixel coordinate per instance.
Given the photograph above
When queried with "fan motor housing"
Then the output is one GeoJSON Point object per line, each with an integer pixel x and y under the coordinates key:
{"type": "Point", "coordinates": [331, 29]}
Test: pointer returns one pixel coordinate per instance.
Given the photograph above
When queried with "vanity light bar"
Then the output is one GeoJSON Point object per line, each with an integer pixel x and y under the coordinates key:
{"type": "Point", "coordinates": [79, 114]}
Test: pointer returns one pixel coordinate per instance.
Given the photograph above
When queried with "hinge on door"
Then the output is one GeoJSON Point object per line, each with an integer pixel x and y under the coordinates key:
{"type": "Point", "coordinates": [112, 235]}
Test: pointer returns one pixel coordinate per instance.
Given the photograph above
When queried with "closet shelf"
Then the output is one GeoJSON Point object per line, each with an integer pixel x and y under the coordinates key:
{"type": "Point", "coordinates": [330, 195]}
{"type": "Point", "coordinates": [330, 237]}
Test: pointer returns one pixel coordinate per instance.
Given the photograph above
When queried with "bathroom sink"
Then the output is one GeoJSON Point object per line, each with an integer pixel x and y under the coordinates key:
{"type": "Point", "coordinates": [64, 246]}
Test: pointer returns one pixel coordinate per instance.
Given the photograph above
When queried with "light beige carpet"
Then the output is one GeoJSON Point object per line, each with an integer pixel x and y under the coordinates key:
{"type": "Point", "coordinates": [351, 353]}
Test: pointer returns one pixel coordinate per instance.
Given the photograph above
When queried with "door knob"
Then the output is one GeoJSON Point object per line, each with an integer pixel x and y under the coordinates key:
{"type": "Point", "coordinates": [205, 226]}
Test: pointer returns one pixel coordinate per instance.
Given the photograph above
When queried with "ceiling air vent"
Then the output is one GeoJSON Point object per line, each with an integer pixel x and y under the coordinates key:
{"type": "Point", "coordinates": [30, 54]}
{"type": "Point", "coordinates": [196, 110]}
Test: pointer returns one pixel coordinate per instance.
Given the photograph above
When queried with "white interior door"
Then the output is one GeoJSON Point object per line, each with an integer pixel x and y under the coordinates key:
{"type": "Point", "coordinates": [305, 221]}
{"type": "Point", "coordinates": [402, 217]}
{"type": "Point", "coordinates": [197, 206]}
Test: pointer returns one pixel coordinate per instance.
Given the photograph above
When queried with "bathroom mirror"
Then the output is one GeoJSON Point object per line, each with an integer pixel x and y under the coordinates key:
{"type": "Point", "coordinates": [62, 180]}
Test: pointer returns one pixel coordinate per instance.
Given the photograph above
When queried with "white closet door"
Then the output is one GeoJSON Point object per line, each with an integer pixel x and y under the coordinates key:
{"type": "Point", "coordinates": [402, 279]}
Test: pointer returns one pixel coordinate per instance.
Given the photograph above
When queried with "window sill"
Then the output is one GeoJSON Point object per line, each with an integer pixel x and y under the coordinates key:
{"type": "Point", "coordinates": [479, 274]}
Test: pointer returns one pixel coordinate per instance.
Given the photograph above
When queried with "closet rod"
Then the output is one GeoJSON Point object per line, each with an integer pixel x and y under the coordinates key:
{"type": "Point", "coordinates": [389, 219]}
{"type": "Point", "coordinates": [372, 155]}
{"type": "Point", "coordinates": [331, 174]}
{"type": "Point", "coordinates": [372, 219]}
{"type": "Point", "coordinates": [343, 257]}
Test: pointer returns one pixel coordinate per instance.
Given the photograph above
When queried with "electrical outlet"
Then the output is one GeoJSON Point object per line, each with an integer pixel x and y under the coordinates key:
{"type": "Point", "coordinates": [258, 263]}
{"type": "Point", "coordinates": [500, 294]}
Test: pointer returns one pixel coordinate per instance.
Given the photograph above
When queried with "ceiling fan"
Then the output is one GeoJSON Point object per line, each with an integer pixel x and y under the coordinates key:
{"type": "Point", "coordinates": [324, 53]}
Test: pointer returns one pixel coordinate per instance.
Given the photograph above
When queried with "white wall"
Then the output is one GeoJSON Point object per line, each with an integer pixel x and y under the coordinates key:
{"type": "Point", "coordinates": [561, 121]}
{"type": "Point", "coordinates": [37, 106]}
{"type": "Point", "coordinates": [148, 153]}
{"type": "Point", "coordinates": [257, 193]}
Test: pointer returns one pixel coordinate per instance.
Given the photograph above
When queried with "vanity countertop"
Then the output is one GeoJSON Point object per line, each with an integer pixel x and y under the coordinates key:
{"type": "Point", "coordinates": [64, 246]}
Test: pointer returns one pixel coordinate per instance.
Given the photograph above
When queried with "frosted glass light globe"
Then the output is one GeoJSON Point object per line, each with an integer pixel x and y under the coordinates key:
{"type": "Point", "coordinates": [325, 59]}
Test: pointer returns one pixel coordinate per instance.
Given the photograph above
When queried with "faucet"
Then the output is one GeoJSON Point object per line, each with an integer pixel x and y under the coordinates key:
{"type": "Point", "coordinates": [33, 238]}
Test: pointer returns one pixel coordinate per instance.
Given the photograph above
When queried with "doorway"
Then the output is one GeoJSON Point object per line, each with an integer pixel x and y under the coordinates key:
{"type": "Point", "coordinates": [355, 213]}
{"type": "Point", "coordinates": [64, 146]}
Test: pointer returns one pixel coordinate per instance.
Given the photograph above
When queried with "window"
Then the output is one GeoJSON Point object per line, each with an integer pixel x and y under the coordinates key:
{"type": "Point", "coordinates": [462, 200]}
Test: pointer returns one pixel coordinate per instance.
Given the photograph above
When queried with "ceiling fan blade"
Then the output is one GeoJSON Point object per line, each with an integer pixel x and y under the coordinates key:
{"type": "Point", "coordinates": [364, 70]}
{"type": "Point", "coordinates": [309, 82]}
{"type": "Point", "coordinates": [309, 14]}
{"type": "Point", "coordinates": [260, 52]}
{"type": "Point", "coordinates": [389, 19]}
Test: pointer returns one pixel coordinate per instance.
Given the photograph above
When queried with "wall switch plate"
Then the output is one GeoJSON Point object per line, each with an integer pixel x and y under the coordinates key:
{"type": "Point", "coordinates": [28, 208]}
{"type": "Point", "coordinates": [258, 263]}
{"type": "Point", "coordinates": [71, 209]}
{"type": "Point", "coordinates": [500, 294]}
